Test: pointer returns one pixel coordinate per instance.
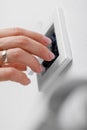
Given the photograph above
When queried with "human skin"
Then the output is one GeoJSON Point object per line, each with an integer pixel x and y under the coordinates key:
{"type": "Point", "coordinates": [22, 48]}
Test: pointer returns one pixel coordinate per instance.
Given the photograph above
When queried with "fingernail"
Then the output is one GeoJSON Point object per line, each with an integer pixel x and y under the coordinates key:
{"type": "Point", "coordinates": [47, 40]}
{"type": "Point", "coordinates": [51, 56]}
{"type": "Point", "coordinates": [27, 81]}
{"type": "Point", "coordinates": [43, 69]}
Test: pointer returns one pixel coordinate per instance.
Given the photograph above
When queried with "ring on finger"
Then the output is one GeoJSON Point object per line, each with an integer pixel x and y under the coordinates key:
{"type": "Point", "coordinates": [4, 56]}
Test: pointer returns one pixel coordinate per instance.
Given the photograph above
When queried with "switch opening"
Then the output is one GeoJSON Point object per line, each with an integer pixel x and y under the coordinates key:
{"type": "Point", "coordinates": [53, 47]}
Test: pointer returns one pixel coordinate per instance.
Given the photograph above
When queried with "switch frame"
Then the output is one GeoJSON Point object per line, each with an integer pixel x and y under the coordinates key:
{"type": "Point", "coordinates": [65, 56]}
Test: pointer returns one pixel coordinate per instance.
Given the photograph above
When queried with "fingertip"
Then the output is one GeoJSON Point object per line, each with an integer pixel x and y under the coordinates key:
{"type": "Point", "coordinates": [39, 69]}
{"type": "Point", "coordinates": [47, 40]}
{"type": "Point", "coordinates": [26, 82]}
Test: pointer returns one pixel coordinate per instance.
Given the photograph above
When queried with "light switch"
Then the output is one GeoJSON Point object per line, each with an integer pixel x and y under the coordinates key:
{"type": "Point", "coordinates": [53, 47]}
{"type": "Point", "coordinates": [60, 47]}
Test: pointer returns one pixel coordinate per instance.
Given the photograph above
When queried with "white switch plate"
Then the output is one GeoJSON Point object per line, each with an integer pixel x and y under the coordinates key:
{"type": "Point", "coordinates": [65, 56]}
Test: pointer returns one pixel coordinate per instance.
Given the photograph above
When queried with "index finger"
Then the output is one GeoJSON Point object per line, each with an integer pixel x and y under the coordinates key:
{"type": "Point", "coordinates": [20, 31]}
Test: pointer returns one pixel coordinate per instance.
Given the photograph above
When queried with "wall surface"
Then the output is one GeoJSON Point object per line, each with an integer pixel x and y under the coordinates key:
{"type": "Point", "coordinates": [22, 108]}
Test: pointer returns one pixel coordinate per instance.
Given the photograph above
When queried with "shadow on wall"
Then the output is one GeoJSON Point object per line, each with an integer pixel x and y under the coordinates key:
{"type": "Point", "coordinates": [67, 108]}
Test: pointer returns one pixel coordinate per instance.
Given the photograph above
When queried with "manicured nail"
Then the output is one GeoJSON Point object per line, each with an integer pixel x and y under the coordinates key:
{"type": "Point", "coordinates": [42, 68]}
{"type": "Point", "coordinates": [51, 56]}
{"type": "Point", "coordinates": [47, 40]}
{"type": "Point", "coordinates": [27, 81]}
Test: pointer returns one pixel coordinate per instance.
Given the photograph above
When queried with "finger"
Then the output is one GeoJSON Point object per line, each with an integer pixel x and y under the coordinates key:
{"type": "Point", "coordinates": [18, 55]}
{"type": "Point", "coordinates": [20, 31]}
{"type": "Point", "coordinates": [27, 44]}
{"type": "Point", "coordinates": [13, 74]}
{"type": "Point", "coordinates": [15, 65]}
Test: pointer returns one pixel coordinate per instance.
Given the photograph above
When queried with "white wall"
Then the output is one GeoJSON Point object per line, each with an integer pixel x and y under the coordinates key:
{"type": "Point", "coordinates": [21, 106]}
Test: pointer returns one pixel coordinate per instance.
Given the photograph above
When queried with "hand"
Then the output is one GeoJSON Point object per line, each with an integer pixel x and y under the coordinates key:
{"type": "Point", "coordinates": [22, 48]}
